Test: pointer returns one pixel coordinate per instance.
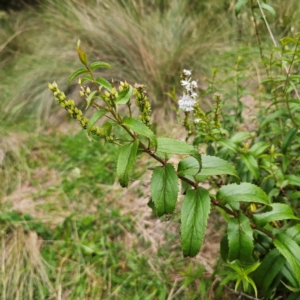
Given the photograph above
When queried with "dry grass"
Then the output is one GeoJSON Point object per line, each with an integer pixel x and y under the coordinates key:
{"type": "Point", "coordinates": [23, 270]}
{"type": "Point", "coordinates": [142, 46]}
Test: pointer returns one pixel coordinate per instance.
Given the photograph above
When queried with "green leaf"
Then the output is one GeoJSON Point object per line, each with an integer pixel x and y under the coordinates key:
{"type": "Point", "coordinates": [86, 78]}
{"type": "Point", "coordinates": [294, 233]}
{"type": "Point", "coordinates": [164, 189]}
{"type": "Point", "coordinates": [140, 128]}
{"type": "Point", "coordinates": [240, 136]}
{"type": "Point", "coordinates": [239, 5]}
{"type": "Point", "coordinates": [244, 192]}
{"type": "Point", "coordinates": [293, 179]}
{"type": "Point", "coordinates": [211, 165]}
{"type": "Point", "coordinates": [96, 116]}
{"type": "Point", "coordinates": [194, 215]}
{"type": "Point", "coordinates": [240, 238]}
{"type": "Point", "coordinates": [124, 96]}
{"type": "Point", "coordinates": [279, 211]}
{"type": "Point", "coordinates": [268, 8]}
{"type": "Point", "coordinates": [288, 273]}
{"type": "Point", "coordinates": [270, 266]}
{"type": "Point", "coordinates": [177, 147]}
{"type": "Point", "coordinates": [251, 163]}
{"type": "Point", "coordinates": [229, 144]}
{"type": "Point", "coordinates": [258, 148]}
{"type": "Point", "coordinates": [99, 64]}
{"type": "Point", "coordinates": [288, 139]}
{"type": "Point", "coordinates": [224, 249]}
{"type": "Point", "coordinates": [90, 98]}
{"type": "Point", "coordinates": [103, 82]}
{"type": "Point", "coordinates": [272, 117]}
{"type": "Point", "coordinates": [290, 250]}
{"type": "Point", "coordinates": [77, 73]}
{"type": "Point", "coordinates": [125, 161]}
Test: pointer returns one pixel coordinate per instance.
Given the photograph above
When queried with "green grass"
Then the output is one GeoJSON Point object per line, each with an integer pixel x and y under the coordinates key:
{"type": "Point", "coordinates": [87, 249]}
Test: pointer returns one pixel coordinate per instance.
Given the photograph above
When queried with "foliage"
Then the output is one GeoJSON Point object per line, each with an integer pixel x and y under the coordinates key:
{"type": "Point", "coordinates": [267, 157]}
{"type": "Point", "coordinates": [72, 229]}
{"type": "Point", "coordinates": [257, 214]}
{"type": "Point", "coordinates": [151, 42]}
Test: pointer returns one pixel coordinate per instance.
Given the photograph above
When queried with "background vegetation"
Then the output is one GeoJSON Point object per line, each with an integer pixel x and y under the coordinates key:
{"type": "Point", "coordinates": [63, 237]}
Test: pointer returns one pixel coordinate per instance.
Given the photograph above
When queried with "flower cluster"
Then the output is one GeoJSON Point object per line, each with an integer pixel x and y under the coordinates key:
{"type": "Point", "coordinates": [142, 103]}
{"type": "Point", "coordinates": [187, 101]}
{"type": "Point", "coordinates": [74, 112]}
{"type": "Point", "coordinates": [217, 109]}
{"type": "Point", "coordinates": [196, 121]}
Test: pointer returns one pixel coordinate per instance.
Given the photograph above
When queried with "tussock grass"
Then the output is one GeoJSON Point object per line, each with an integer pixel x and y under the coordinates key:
{"type": "Point", "coordinates": [146, 46]}
{"type": "Point", "coordinates": [148, 42]}
{"type": "Point", "coordinates": [23, 270]}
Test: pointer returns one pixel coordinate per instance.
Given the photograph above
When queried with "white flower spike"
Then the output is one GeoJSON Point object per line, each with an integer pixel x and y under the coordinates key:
{"type": "Point", "coordinates": [186, 103]}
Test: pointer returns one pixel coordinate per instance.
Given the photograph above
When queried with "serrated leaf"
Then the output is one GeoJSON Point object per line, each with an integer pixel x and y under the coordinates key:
{"type": "Point", "coordinates": [77, 73]}
{"type": "Point", "coordinates": [290, 250]}
{"type": "Point", "coordinates": [99, 64]}
{"type": "Point", "coordinates": [194, 215]}
{"type": "Point", "coordinates": [268, 8]}
{"type": "Point", "coordinates": [103, 82]}
{"type": "Point", "coordinates": [244, 192]}
{"type": "Point", "coordinates": [96, 116]}
{"type": "Point", "coordinates": [240, 238]}
{"type": "Point", "coordinates": [90, 98]}
{"type": "Point", "coordinates": [239, 5]}
{"type": "Point", "coordinates": [279, 212]}
{"type": "Point", "coordinates": [164, 189]}
{"type": "Point", "coordinates": [140, 128]}
{"type": "Point", "coordinates": [177, 147]}
{"type": "Point", "coordinates": [124, 96]}
{"type": "Point", "coordinates": [270, 266]}
{"type": "Point", "coordinates": [125, 161]}
{"type": "Point", "coordinates": [251, 163]}
{"type": "Point", "coordinates": [288, 139]}
{"type": "Point", "coordinates": [294, 233]}
{"type": "Point", "coordinates": [211, 165]}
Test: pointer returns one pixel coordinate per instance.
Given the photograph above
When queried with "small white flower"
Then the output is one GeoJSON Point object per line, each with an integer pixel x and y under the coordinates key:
{"type": "Point", "coordinates": [186, 103]}
{"type": "Point", "coordinates": [188, 87]}
{"type": "Point", "coordinates": [187, 72]}
{"type": "Point", "coordinates": [194, 95]}
{"type": "Point", "coordinates": [194, 84]}
{"type": "Point", "coordinates": [185, 82]}
{"type": "Point", "coordinates": [197, 121]}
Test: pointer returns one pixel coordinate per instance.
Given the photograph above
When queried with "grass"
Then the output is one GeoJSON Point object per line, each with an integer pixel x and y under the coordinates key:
{"type": "Point", "coordinates": [72, 240]}
{"type": "Point", "coordinates": [143, 45]}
